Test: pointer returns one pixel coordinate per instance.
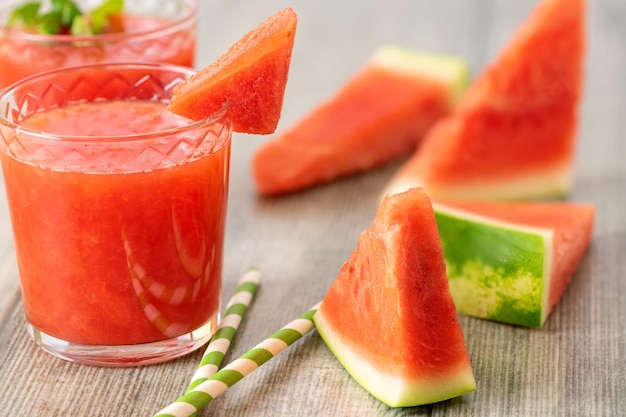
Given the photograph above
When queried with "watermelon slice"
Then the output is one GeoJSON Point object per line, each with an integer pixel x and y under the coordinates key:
{"type": "Point", "coordinates": [511, 262]}
{"type": "Point", "coordinates": [389, 318]}
{"type": "Point", "coordinates": [377, 116]}
{"type": "Point", "coordinates": [512, 136]}
{"type": "Point", "coordinates": [251, 77]}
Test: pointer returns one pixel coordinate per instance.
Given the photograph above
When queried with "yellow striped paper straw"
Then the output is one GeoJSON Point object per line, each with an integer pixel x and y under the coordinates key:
{"type": "Point", "coordinates": [221, 340]}
{"type": "Point", "coordinates": [201, 395]}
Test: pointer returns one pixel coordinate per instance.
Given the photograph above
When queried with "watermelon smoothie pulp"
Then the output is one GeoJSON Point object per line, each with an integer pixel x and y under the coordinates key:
{"type": "Point", "coordinates": [153, 30]}
{"type": "Point", "coordinates": [118, 210]}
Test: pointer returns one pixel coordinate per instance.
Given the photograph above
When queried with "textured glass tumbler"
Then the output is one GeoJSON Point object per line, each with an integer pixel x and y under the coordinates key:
{"type": "Point", "coordinates": [118, 236]}
{"type": "Point", "coordinates": [161, 31]}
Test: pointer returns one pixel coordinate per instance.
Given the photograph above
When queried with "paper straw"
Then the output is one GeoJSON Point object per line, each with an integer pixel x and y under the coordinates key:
{"type": "Point", "coordinates": [220, 342]}
{"type": "Point", "coordinates": [201, 395]}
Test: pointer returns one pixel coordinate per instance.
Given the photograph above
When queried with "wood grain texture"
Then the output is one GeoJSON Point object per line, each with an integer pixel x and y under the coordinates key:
{"type": "Point", "coordinates": [574, 366]}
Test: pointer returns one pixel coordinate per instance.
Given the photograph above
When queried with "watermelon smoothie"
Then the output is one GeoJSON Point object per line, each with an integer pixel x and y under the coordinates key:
{"type": "Point", "coordinates": [148, 30]}
{"type": "Point", "coordinates": [118, 211]}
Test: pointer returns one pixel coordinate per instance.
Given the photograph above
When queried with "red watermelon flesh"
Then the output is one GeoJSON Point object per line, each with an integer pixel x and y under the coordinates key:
{"type": "Point", "coordinates": [389, 317]}
{"type": "Point", "coordinates": [512, 136]}
{"type": "Point", "coordinates": [380, 114]}
{"type": "Point", "coordinates": [566, 228]}
{"type": "Point", "coordinates": [251, 77]}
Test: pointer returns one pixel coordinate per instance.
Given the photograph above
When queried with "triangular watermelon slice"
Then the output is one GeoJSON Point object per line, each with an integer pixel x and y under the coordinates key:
{"type": "Point", "coordinates": [251, 77]}
{"type": "Point", "coordinates": [512, 136]}
{"type": "Point", "coordinates": [511, 262]}
{"type": "Point", "coordinates": [379, 115]}
{"type": "Point", "coordinates": [389, 318]}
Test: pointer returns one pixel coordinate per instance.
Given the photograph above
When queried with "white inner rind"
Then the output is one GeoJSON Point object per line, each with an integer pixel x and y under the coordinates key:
{"type": "Point", "coordinates": [548, 240]}
{"type": "Point", "coordinates": [450, 71]}
{"type": "Point", "coordinates": [538, 184]}
{"type": "Point", "coordinates": [390, 388]}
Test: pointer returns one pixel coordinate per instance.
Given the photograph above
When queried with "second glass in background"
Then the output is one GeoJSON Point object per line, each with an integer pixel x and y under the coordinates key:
{"type": "Point", "coordinates": [161, 31]}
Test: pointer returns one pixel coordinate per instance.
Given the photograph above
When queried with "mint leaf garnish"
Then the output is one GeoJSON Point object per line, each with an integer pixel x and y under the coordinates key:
{"type": "Point", "coordinates": [48, 24]}
{"type": "Point", "coordinates": [65, 17]}
{"type": "Point", "coordinates": [100, 15]}
{"type": "Point", "coordinates": [66, 10]}
{"type": "Point", "coordinates": [26, 14]}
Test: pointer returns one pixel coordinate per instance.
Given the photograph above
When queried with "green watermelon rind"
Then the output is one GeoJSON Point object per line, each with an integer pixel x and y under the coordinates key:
{"type": "Point", "coordinates": [451, 71]}
{"type": "Point", "coordinates": [389, 387]}
{"type": "Point", "coordinates": [497, 270]}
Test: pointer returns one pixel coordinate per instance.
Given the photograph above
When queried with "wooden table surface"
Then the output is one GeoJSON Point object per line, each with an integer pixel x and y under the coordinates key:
{"type": "Point", "coordinates": [574, 366]}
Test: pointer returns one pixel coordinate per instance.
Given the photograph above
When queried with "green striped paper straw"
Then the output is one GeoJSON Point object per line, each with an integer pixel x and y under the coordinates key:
{"type": "Point", "coordinates": [229, 323]}
{"type": "Point", "coordinates": [202, 394]}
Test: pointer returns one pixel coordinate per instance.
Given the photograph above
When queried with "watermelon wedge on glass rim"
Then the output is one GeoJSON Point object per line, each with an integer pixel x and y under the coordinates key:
{"type": "Point", "coordinates": [250, 78]}
{"type": "Point", "coordinates": [389, 318]}
{"type": "Point", "coordinates": [377, 116]}
{"type": "Point", "coordinates": [512, 261]}
{"type": "Point", "coordinates": [512, 135]}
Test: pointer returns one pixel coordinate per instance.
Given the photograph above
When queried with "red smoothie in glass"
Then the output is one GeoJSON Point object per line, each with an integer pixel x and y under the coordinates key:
{"type": "Point", "coordinates": [117, 252]}
{"type": "Point", "coordinates": [141, 38]}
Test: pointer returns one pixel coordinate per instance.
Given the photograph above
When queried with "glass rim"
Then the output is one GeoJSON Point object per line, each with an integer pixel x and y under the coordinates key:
{"type": "Point", "coordinates": [217, 117]}
{"type": "Point", "coordinates": [89, 40]}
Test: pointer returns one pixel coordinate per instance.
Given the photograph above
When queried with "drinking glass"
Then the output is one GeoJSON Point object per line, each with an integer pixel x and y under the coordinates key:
{"type": "Point", "coordinates": [154, 30]}
{"type": "Point", "coordinates": [118, 212]}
